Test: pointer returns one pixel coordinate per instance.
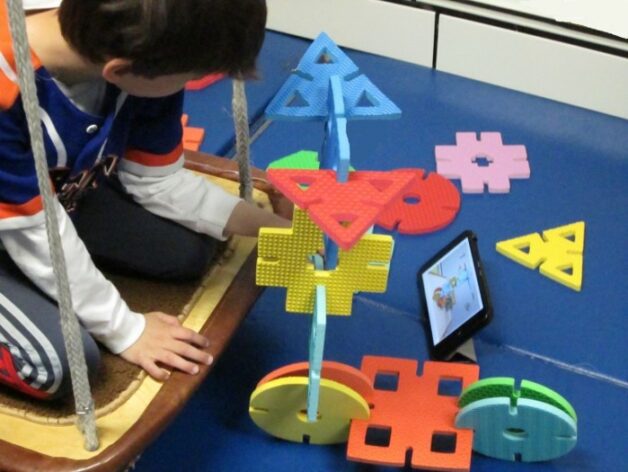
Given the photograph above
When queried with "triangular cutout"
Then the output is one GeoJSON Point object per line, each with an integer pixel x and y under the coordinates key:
{"type": "Point", "coordinates": [297, 101]}
{"type": "Point", "coordinates": [570, 236]}
{"type": "Point", "coordinates": [526, 250]}
{"type": "Point", "coordinates": [566, 270]}
{"type": "Point", "coordinates": [325, 57]}
{"type": "Point", "coordinates": [345, 220]}
{"type": "Point", "coordinates": [366, 100]}
{"type": "Point", "coordinates": [381, 184]}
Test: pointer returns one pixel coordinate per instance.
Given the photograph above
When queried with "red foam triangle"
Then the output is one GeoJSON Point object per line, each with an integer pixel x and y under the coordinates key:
{"type": "Point", "coordinates": [329, 203]}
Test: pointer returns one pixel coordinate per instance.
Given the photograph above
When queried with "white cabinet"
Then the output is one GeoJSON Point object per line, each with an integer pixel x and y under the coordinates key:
{"type": "Point", "coordinates": [532, 64]}
{"type": "Point", "coordinates": [374, 26]}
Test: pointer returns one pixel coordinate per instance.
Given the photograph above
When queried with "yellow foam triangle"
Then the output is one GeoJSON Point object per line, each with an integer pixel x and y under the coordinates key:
{"type": "Point", "coordinates": [515, 249]}
{"type": "Point", "coordinates": [555, 269]}
{"type": "Point", "coordinates": [560, 253]}
{"type": "Point", "coordinates": [562, 235]}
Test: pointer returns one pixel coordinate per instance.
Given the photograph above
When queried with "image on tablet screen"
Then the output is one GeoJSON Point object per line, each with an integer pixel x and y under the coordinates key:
{"type": "Point", "coordinates": [452, 291]}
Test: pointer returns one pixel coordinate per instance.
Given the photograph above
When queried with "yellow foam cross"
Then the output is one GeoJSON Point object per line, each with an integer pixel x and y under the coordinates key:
{"type": "Point", "coordinates": [559, 253]}
{"type": "Point", "coordinates": [284, 260]}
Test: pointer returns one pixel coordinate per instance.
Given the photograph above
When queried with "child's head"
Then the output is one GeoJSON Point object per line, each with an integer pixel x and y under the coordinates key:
{"type": "Point", "coordinates": [167, 37]}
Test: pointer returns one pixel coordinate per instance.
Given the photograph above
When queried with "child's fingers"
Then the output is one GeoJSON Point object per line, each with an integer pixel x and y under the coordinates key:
{"type": "Point", "coordinates": [191, 353]}
{"type": "Point", "coordinates": [190, 337]}
{"type": "Point", "coordinates": [155, 371]}
{"type": "Point", "coordinates": [168, 319]}
{"type": "Point", "coordinates": [175, 361]}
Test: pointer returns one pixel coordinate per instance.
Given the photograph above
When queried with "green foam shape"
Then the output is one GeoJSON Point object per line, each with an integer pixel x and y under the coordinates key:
{"type": "Point", "coordinates": [304, 160]}
{"type": "Point", "coordinates": [535, 391]}
{"type": "Point", "coordinates": [505, 387]}
{"type": "Point", "coordinates": [487, 388]}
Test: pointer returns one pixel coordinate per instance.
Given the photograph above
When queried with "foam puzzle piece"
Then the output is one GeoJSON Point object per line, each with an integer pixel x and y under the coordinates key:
{"type": "Point", "coordinates": [284, 261]}
{"type": "Point", "coordinates": [414, 416]}
{"type": "Point", "coordinates": [529, 430]}
{"type": "Point", "coordinates": [317, 346]}
{"type": "Point", "coordinates": [299, 160]}
{"type": "Point", "coordinates": [463, 161]}
{"type": "Point", "coordinates": [336, 148]}
{"type": "Point", "coordinates": [505, 387]}
{"type": "Point", "coordinates": [304, 96]}
{"type": "Point", "coordinates": [344, 211]}
{"type": "Point", "coordinates": [428, 203]}
{"type": "Point", "coordinates": [559, 253]}
{"type": "Point", "coordinates": [303, 159]}
{"type": "Point", "coordinates": [278, 407]}
{"type": "Point", "coordinates": [338, 372]}
{"type": "Point", "coordinates": [192, 137]}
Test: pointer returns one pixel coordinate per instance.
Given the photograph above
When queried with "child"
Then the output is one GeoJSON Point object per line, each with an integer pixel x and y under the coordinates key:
{"type": "Point", "coordinates": [110, 75]}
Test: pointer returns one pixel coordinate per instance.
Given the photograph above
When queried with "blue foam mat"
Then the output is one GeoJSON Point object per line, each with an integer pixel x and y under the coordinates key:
{"type": "Point", "coordinates": [575, 343]}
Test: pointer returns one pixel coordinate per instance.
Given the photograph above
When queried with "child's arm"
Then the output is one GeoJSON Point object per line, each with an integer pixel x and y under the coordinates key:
{"type": "Point", "coordinates": [198, 204]}
{"type": "Point", "coordinates": [142, 340]}
{"type": "Point", "coordinates": [246, 219]}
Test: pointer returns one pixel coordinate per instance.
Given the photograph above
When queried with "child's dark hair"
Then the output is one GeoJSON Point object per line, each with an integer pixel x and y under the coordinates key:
{"type": "Point", "coordinates": [162, 37]}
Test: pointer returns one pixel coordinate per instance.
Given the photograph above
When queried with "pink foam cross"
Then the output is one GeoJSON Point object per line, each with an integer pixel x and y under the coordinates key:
{"type": "Point", "coordinates": [463, 161]}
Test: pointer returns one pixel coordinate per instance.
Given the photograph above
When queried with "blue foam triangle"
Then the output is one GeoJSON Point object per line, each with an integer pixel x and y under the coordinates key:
{"type": "Point", "coordinates": [308, 85]}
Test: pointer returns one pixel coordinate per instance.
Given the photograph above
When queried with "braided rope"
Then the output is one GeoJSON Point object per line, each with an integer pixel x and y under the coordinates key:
{"type": "Point", "coordinates": [83, 401]}
{"type": "Point", "coordinates": [241, 122]}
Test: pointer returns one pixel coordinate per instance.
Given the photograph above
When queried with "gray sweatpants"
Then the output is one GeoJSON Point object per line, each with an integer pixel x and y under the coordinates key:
{"type": "Point", "coordinates": [120, 235]}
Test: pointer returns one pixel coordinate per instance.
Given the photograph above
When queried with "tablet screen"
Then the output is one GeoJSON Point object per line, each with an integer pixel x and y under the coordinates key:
{"type": "Point", "coordinates": [452, 291]}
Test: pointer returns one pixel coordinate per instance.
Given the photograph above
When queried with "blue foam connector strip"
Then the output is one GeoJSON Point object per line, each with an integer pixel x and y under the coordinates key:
{"type": "Point", "coordinates": [317, 346]}
{"type": "Point", "coordinates": [336, 154]}
{"type": "Point", "coordinates": [331, 254]}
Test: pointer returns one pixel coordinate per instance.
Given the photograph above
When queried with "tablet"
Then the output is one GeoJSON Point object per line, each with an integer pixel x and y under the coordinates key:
{"type": "Point", "coordinates": [455, 296]}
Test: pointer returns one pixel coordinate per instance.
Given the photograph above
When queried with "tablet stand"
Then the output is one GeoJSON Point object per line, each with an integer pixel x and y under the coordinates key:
{"type": "Point", "coordinates": [466, 352]}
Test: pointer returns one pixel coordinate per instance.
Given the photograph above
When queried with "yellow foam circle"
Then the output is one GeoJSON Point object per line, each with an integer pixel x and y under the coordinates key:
{"type": "Point", "coordinates": [279, 407]}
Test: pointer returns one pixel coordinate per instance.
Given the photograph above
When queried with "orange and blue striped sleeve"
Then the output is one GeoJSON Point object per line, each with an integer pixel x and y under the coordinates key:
{"type": "Point", "coordinates": [20, 201]}
{"type": "Point", "coordinates": [155, 141]}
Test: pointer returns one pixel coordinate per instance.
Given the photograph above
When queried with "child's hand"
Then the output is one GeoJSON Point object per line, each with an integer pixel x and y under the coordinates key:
{"type": "Point", "coordinates": [165, 343]}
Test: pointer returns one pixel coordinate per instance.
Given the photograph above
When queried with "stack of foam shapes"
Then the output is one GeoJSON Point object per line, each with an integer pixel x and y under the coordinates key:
{"type": "Point", "coordinates": [559, 253]}
{"type": "Point", "coordinates": [336, 148]}
{"type": "Point", "coordinates": [531, 424]}
{"type": "Point", "coordinates": [284, 260]}
{"type": "Point", "coordinates": [304, 96]}
{"type": "Point", "coordinates": [203, 82]}
{"type": "Point", "coordinates": [484, 161]}
{"type": "Point", "coordinates": [429, 203]}
{"type": "Point", "coordinates": [413, 414]}
{"type": "Point", "coordinates": [278, 404]}
{"type": "Point", "coordinates": [317, 344]}
{"type": "Point", "coordinates": [192, 137]}
{"type": "Point", "coordinates": [344, 211]}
